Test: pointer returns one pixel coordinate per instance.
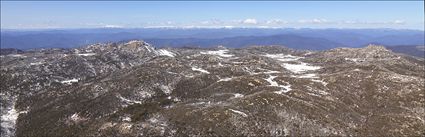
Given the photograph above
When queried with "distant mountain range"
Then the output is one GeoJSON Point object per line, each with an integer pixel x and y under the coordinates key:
{"type": "Point", "coordinates": [288, 40]}
{"type": "Point", "coordinates": [311, 39]}
{"type": "Point", "coordinates": [418, 51]}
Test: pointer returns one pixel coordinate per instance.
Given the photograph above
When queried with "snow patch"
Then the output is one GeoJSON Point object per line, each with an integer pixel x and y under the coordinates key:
{"type": "Point", "coordinates": [163, 52]}
{"type": "Point", "coordinates": [74, 80]}
{"type": "Point", "coordinates": [312, 77]}
{"type": "Point", "coordinates": [271, 72]}
{"type": "Point", "coordinates": [239, 112]}
{"type": "Point", "coordinates": [306, 76]}
{"type": "Point", "coordinates": [200, 70]}
{"type": "Point", "coordinates": [225, 79]}
{"type": "Point", "coordinates": [36, 63]}
{"type": "Point", "coordinates": [86, 54]}
{"type": "Point", "coordinates": [320, 81]}
{"type": "Point", "coordinates": [76, 118]}
{"type": "Point", "coordinates": [308, 53]}
{"type": "Point", "coordinates": [127, 119]}
{"type": "Point", "coordinates": [284, 89]}
{"type": "Point", "coordinates": [17, 55]}
{"type": "Point", "coordinates": [200, 103]}
{"type": "Point", "coordinates": [8, 121]}
{"type": "Point", "coordinates": [296, 68]}
{"type": "Point", "coordinates": [283, 57]}
{"type": "Point", "coordinates": [351, 59]}
{"type": "Point", "coordinates": [271, 81]}
{"type": "Point", "coordinates": [354, 59]}
{"type": "Point", "coordinates": [222, 53]}
{"type": "Point", "coordinates": [165, 89]}
{"type": "Point", "coordinates": [149, 47]}
{"type": "Point", "coordinates": [263, 72]}
{"type": "Point", "coordinates": [129, 101]}
{"type": "Point", "coordinates": [299, 68]}
{"type": "Point", "coordinates": [219, 64]}
{"type": "Point", "coordinates": [317, 92]}
{"type": "Point", "coordinates": [237, 95]}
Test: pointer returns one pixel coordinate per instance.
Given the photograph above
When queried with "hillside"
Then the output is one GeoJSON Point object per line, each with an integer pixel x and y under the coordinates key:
{"type": "Point", "coordinates": [134, 89]}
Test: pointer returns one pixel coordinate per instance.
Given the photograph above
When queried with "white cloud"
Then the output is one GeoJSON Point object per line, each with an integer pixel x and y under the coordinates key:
{"type": "Point", "coordinates": [243, 23]}
{"type": "Point", "coordinates": [349, 22]}
{"type": "Point", "coordinates": [113, 26]}
{"type": "Point", "coordinates": [314, 21]}
{"type": "Point", "coordinates": [395, 22]}
{"type": "Point", "coordinates": [250, 21]}
{"type": "Point", "coordinates": [276, 22]}
{"type": "Point", "coordinates": [320, 20]}
{"type": "Point", "coordinates": [169, 22]}
{"type": "Point", "coordinates": [399, 22]}
{"type": "Point", "coordinates": [212, 22]}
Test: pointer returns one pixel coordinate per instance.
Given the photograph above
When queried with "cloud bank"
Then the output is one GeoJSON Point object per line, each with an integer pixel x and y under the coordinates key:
{"type": "Point", "coordinates": [240, 23]}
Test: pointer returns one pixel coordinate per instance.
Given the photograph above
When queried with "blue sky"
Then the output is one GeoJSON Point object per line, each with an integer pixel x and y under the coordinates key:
{"type": "Point", "coordinates": [286, 14]}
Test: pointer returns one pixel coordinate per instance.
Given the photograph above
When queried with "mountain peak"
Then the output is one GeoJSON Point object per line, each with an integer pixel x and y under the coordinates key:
{"type": "Point", "coordinates": [137, 45]}
{"type": "Point", "coordinates": [375, 47]}
{"type": "Point", "coordinates": [376, 51]}
{"type": "Point", "coordinates": [138, 42]}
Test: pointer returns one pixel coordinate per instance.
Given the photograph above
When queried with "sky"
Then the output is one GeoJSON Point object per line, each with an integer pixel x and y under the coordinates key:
{"type": "Point", "coordinates": [211, 14]}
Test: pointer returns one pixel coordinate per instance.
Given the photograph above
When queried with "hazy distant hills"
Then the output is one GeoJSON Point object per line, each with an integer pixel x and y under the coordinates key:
{"type": "Point", "coordinates": [291, 41]}
{"type": "Point", "coordinates": [418, 51]}
{"type": "Point", "coordinates": [312, 39]}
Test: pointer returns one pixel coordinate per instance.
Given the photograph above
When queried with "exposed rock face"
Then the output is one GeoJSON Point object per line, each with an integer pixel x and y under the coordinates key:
{"type": "Point", "coordinates": [133, 89]}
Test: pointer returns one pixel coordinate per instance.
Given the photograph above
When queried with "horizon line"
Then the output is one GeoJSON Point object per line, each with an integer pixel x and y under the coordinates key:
{"type": "Point", "coordinates": [200, 27]}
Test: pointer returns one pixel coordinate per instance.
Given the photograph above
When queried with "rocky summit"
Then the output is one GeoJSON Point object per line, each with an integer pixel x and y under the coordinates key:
{"type": "Point", "coordinates": [134, 89]}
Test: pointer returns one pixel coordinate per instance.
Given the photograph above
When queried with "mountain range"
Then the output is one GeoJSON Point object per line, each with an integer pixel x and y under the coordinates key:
{"type": "Point", "coordinates": [307, 39]}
